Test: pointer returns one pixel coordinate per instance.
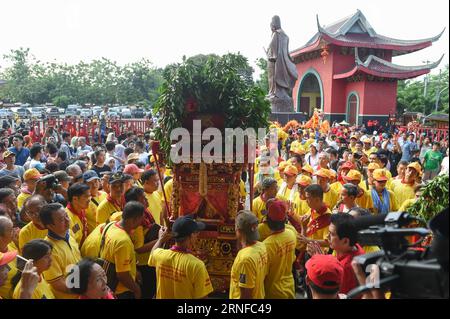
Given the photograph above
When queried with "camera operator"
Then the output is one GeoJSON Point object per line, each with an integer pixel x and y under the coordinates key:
{"type": "Point", "coordinates": [53, 192]}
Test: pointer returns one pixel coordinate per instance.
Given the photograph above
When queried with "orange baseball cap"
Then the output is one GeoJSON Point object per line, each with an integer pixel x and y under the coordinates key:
{"type": "Point", "coordinates": [298, 150]}
{"type": "Point", "coordinates": [352, 175]}
{"type": "Point", "coordinates": [308, 168]}
{"type": "Point", "coordinates": [367, 141]}
{"type": "Point", "coordinates": [291, 170]}
{"type": "Point", "coordinates": [282, 165]}
{"type": "Point", "coordinates": [31, 173]}
{"type": "Point", "coordinates": [380, 174]}
{"type": "Point", "coordinates": [6, 258]}
{"type": "Point", "coordinates": [323, 172]}
{"type": "Point", "coordinates": [304, 180]}
{"type": "Point", "coordinates": [373, 166]}
{"type": "Point", "coordinates": [348, 165]}
{"type": "Point", "coordinates": [416, 166]}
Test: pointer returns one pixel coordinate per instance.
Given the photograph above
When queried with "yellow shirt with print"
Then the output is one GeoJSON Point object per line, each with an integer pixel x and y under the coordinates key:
{"type": "Point", "coordinates": [264, 232]}
{"type": "Point", "coordinates": [179, 275]}
{"type": "Point", "coordinates": [119, 250]}
{"type": "Point", "coordinates": [155, 206]}
{"type": "Point", "coordinates": [393, 204]}
{"type": "Point", "coordinates": [279, 282]}
{"type": "Point", "coordinates": [403, 192]}
{"type": "Point", "coordinates": [91, 212]}
{"type": "Point", "coordinates": [64, 254]}
{"type": "Point", "coordinates": [249, 271]}
{"type": "Point", "coordinates": [365, 200]}
{"type": "Point", "coordinates": [42, 291]}
{"type": "Point", "coordinates": [30, 232]}
{"type": "Point", "coordinates": [76, 226]}
{"type": "Point", "coordinates": [5, 289]}
{"type": "Point", "coordinates": [104, 211]}
{"type": "Point", "coordinates": [21, 199]}
{"type": "Point", "coordinates": [321, 234]}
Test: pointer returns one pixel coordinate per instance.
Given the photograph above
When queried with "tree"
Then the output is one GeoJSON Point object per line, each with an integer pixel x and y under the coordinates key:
{"type": "Point", "coordinates": [410, 94]}
{"type": "Point", "coordinates": [263, 81]}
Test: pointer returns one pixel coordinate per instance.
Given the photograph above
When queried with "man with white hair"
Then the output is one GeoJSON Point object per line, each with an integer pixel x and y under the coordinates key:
{"type": "Point", "coordinates": [83, 148]}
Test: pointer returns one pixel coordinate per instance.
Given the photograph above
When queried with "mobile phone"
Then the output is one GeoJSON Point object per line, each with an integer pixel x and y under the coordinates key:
{"type": "Point", "coordinates": [24, 259]}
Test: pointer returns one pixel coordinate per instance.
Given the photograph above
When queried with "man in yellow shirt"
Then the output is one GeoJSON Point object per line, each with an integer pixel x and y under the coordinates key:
{"type": "Point", "coordinates": [91, 179]}
{"type": "Point", "coordinates": [307, 170]}
{"type": "Point", "coordinates": [383, 200]}
{"type": "Point", "coordinates": [363, 199]}
{"type": "Point", "coordinates": [65, 252]}
{"type": "Point", "coordinates": [368, 148]}
{"type": "Point", "coordinates": [180, 275]}
{"type": "Point", "coordinates": [250, 266]}
{"type": "Point", "coordinates": [79, 196]}
{"type": "Point", "coordinates": [280, 246]}
{"type": "Point", "coordinates": [34, 229]}
{"type": "Point", "coordinates": [150, 183]}
{"type": "Point", "coordinates": [330, 197]}
{"type": "Point", "coordinates": [113, 201]}
{"type": "Point", "coordinates": [30, 179]}
{"type": "Point", "coordinates": [405, 190]}
{"type": "Point", "coordinates": [352, 146]}
{"type": "Point", "coordinates": [269, 190]}
{"type": "Point", "coordinates": [7, 247]}
{"type": "Point", "coordinates": [118, 248]}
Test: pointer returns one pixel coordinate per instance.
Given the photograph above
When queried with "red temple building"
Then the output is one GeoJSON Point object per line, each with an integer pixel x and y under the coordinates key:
{"type": "Point", "coordinates": [346, 71]}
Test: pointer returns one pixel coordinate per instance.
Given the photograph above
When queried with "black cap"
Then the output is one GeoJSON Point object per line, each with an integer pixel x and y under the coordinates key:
{"type": "Point", "coordinates": [186, 225]}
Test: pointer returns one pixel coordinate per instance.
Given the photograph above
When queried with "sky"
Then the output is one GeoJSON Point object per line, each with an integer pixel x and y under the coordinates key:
{"type": "Point", "coordinates": [165, 30]}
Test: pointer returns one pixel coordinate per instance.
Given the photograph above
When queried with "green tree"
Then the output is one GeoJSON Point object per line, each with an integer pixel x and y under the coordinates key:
{"type": "Point", "coordinates": [410, 94]}
{"type": "Point", "coordinates": [263, 81]}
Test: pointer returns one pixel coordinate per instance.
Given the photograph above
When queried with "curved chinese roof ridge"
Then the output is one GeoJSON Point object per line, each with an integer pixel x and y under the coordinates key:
{"type": "Point", "coordinates": [356, 31]}
{"type": "Point", "coordinates": [381, 68]}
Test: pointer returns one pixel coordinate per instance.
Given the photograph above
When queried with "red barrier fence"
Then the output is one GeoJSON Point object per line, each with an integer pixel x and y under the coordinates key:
{"type": "Point", "coordinates": [437, 134]}
{"type": "Point", "coordinates": [90, 128]}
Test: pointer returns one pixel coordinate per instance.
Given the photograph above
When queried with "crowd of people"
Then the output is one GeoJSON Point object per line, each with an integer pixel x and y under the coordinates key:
{"type": "Point", "coordinates": [98, 212]}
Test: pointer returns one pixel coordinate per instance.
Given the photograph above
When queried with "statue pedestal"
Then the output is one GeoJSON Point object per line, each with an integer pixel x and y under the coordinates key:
{"type": "Point", "coordinates": [284, 104]}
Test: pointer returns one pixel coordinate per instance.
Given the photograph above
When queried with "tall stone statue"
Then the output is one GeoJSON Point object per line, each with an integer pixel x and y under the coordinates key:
{"type": "Point", "coordinates": [281, 69]}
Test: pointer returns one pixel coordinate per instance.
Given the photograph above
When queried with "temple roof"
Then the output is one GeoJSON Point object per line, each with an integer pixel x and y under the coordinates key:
{"type": "Point", "coordinates": [356, 31]}
{"type": "Point", "coordinates": [381, 68]}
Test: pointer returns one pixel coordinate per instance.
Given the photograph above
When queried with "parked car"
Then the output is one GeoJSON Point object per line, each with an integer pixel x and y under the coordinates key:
{"type": "Point", "coordinates": [96, 110]}
{"type": "Point", "coordinates": [5, 113]}
{"type": "Point", "coordinates": [85, 112]}
{"type": "Point", "coordinates": [112, 114]}
{"type": "Point", "coordinates": [23, 112]}
{"type": "Point", "coordinates": [126, 114]}
{"type": "Point", "coordinates": [37, 111]}
{"type": "Point", "coordinates": [54, 112]}
{"type": "Point", "coordinates": [72, 110]}
{"type": "Point", "coordinates": [138, 113]}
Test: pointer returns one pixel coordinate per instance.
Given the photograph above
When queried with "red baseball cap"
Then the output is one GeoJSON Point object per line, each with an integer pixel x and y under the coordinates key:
{"type": "Point", "coordinates": [348, 165]}
{"type": "Point", "coordinates": [325, 271]}
{"type": "Point", "coordinates": [132, 169]}
{"type": "Point", "coordinates": [277, 210]}
{"type": "Point", "coordinates": [6, 258]}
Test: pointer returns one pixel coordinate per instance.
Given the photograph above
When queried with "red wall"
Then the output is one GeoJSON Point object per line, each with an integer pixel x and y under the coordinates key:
{"type": "Point", "coordinates": [380, 98]}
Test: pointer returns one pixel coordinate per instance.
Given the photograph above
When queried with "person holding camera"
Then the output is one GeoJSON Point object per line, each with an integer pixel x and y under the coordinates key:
{"type": "Point", "coordinates": [53, 192]}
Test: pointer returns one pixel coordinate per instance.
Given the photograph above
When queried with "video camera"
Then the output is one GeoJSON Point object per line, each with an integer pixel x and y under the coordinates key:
{"type": "Point", "coordinates": [50, 181]}
{"type": "Point", "coordinates": [407, 270]}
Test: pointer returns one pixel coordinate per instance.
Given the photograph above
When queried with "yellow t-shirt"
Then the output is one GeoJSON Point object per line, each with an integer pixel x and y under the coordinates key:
{"type": "Point", "coordinates": [331, 198]}
{"type": "Point", "coordinates": [336, 187]}
{"type": "Point", "coordinates": [76, 226]}
{"type": "Point", "coordinates": [264, 230]}
{"type": "Point", "coordinates": [168, 188]}
{"type": "Point", "coordinates": [42, 291]}
{"type": "Point", "coordinates": [155, 206]}
{"type": "Point", "coordinates": [279, 282]}
{"type": "Point", "coordinates": [30, 232]}
{"type": "Point", "coordinates": [365, 200]}
{"type": "Point", "coordinates": [119, 249]}
{"type": "Point", "coordinates": [395, 182]}
{"type": "Point", "coordinates": [249, 271]}
{"type": "Point", "coordinates": [365, 185]}
{"type": "Point", "coordinates": [91, 245]}
{"type": "Point", "coordinates": [393, 206]}
{"type": "Point", "coordinates": [5, 289]}
{"type": "Point", "coordinates": [105, 210]}
{"type": "Point", "coordinates": [403, 192]}
{"type": "Point", "coordinates": [301, 206]}
{"type": "Point", "coordinates": [91, 212]}
{"type": "Point", "coordinates": [179, 275]}
{"type": "Point", "coordinates": [322, 233]}
{"type": "Point", "coordinates": [242, 191]}
{"type": "Point", "coordinates": [64, 254]}
{"type": "Point", "coordinates": [138, 239]}
{"type": "Point", "coordinates": [371, 150]}
{"type": "Point", "coordinates": [21, 199]}
{"type": "Point", "coordinates": [259, 206]}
